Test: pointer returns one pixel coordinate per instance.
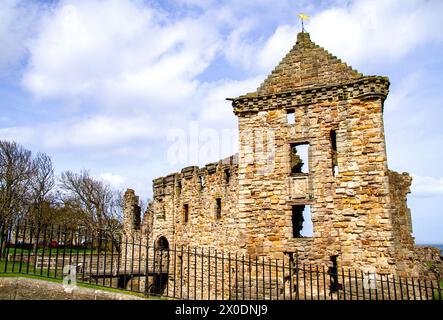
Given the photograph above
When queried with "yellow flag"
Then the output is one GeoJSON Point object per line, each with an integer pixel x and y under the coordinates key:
{"type": "Point", "coordinates": [303, 16]}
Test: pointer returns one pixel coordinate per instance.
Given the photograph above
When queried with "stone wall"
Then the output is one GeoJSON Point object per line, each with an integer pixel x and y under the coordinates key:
{"type": "Point", "coordinates": [399, 187]}
{"type": "Point", "coordinates": [198, 189]}
{"type": "Point", "coordinates": [411, 260]}
{"type": "Point", "coordinates": [18, 288]}
{"type": "Point", "coordinates": [133, 229]}
{"type": "Point", "coordinates": [350, 211]}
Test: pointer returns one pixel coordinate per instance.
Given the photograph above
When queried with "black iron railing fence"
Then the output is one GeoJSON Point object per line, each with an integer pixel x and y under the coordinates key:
{"type": "Point", "coordinates": [190, 273]}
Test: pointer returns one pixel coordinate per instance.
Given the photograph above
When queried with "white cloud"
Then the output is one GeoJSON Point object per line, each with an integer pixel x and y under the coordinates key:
{"type": "Point", "coordinates": [216, 111]}
{"type": "Point", "coordinates": [359, 32]}
{"type": "Point", "coordinates": [10, 48]}
{"type": "Point", "coordinates": [98, 131]}
{"type": "Point", "coordinates": [239, 49]}
{"type": "Point", "coordinates": [425, 186]}
{"type": "Point", "coordinates": [20, 134]}
{"type": "Point", "coordinates": [261, 55]}
{"type": "Point", "coordinates": [95, 131]}
{"type": "Point", "coordinates": [16, 19]}
{"type": "Point", "coordinates": [367, 30]}
{"type": "Point", "coordinates": [118, 52]}
{"type": "Point", "coordinates": [114, 180]}
{"type": "Point", "coordinates": [137, 69]}
{"type": "Point", "coordinates": [277, 46]}
{"type": "Point", "coordinates": [404, 92]}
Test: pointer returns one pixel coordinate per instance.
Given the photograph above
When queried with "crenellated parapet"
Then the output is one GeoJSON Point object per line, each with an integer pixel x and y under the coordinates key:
{"type": "Point", "coordinates": [175, 181]}
{"type": "Point", "coordinates": [365, 88]}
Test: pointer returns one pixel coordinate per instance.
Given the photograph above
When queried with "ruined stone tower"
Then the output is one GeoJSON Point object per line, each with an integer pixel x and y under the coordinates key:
{"type": "Point", "coordinates": [259, 201]}
{"type": "Point", "coordinates": [131, 212]}
{"type": "Point", "coordinates": [338, 116]}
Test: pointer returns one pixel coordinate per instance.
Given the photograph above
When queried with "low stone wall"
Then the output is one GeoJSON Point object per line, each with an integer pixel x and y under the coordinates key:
{"type": "Point", "coordinates": [429, 259]}
{"type": "Point", "coordinates": [18, 288]}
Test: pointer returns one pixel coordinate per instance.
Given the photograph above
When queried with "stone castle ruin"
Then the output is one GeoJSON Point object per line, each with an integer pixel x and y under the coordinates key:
{"type": "Point", "coordinates": [312, 152]}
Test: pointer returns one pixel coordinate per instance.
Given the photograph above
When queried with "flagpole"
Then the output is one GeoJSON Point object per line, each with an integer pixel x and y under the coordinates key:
{"type": "Point", "coordinates": [302, 18]}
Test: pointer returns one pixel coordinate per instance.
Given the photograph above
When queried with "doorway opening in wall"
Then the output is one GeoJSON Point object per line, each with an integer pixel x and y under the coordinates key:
{"type": "Point", "coordinates": [160, 277]}
{"type": "Point", "coordinates": [162, 243]}
{"type": "Point", "coordinates": [185, 213]}
{"type": "Point", "coordinates": [333, 273]}
{"type": "Point", "coordinates": [301, 221]}
{"type": "Point", "coordinates": [299, 158]}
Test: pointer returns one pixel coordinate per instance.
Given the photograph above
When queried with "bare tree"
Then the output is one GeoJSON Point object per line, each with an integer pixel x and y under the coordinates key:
{"type": "Point", "coordinates": [102, 204]}
{"type": "Point", "coordinates": [26, 191]}
{"type": "Point", "coordinates": [41, 183]}
{"type": "Point", "coordinates": [16, 169]}
{"type": "Point", "coordinates": [114, 218]}
{"type": "Point", "coordinates": [16, 172]}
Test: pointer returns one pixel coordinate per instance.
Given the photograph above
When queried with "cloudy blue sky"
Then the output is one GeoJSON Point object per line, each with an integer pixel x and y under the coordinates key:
{"type": "Point", "coordinates": [103, 85]}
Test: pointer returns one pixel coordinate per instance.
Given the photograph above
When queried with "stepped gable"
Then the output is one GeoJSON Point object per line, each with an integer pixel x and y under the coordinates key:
{"type": "Point", "coordinates": [307, 75]}
{"type": "Point", "coordinates": [306, 65]}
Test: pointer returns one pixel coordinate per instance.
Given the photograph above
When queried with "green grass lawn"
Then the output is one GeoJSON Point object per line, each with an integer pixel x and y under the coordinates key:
{"type": "Point", "coordinates": [26, 252]}
{"type": "Point", "coordinates": [25, 268]}
{"type": "Point", "coordinates": [13, 270]}
{"type": "Point", "coordinates": [80, 284]}
{"type": "Point", "coordinates": [436, 296]}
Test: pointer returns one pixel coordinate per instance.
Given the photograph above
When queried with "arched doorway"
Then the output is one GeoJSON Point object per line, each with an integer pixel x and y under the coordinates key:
{"type": "Point", "coordinates": [161, 266]}
{"type": "Point", "coordinates": [162, 243]}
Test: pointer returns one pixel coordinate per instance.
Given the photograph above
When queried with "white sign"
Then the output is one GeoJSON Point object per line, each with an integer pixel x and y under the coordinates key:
{"type": "Point", "coordinates": [69, 278]}
{"type": "Point", "coordinates": [369, 281]}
